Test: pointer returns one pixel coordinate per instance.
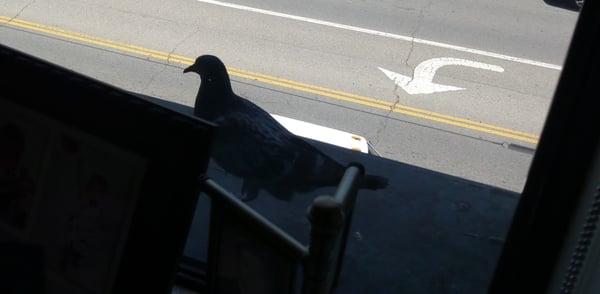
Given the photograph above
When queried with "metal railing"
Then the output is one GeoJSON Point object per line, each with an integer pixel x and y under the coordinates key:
{"type": "Point", "coordinates": [321, 260]}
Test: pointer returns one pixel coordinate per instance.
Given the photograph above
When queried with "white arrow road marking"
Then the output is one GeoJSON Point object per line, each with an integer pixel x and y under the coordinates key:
{"type": "Point", "coordinates": [422, 80]}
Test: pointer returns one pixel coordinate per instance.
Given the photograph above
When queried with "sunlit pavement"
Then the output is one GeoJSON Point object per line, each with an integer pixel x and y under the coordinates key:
{"type": "Point", "coordinates": [354, 71]}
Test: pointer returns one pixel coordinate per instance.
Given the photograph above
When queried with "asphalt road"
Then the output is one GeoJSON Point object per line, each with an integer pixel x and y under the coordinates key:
{"type": "Point", "coordinates": [337, 45]}
{"type": "Point", "coordinates": [529, 29]}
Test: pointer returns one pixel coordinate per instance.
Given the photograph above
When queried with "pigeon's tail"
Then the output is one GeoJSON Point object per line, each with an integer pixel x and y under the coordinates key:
{"type": "Point", "coordinates": [372, 182]}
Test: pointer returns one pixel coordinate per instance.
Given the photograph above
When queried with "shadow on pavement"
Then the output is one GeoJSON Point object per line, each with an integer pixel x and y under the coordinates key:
{"type": "Point", "coordinates": [565, 4]}
{"type": "Point", "coordinates": [427, 232]}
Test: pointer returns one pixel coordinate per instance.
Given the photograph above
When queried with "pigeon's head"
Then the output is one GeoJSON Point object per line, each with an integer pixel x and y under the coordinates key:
{"type": "Point", "coordinates": [212, 72]}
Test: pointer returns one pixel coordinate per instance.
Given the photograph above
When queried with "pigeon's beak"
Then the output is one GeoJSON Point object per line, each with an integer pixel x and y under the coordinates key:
{"type": "Point", "coordinates": [190, 68]}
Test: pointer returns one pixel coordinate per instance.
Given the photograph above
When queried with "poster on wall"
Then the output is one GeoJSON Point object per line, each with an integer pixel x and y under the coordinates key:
{"type": "Point", "coordinates": [69, 193]}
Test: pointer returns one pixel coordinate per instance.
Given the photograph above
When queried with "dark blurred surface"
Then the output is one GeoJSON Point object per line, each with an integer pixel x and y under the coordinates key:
{"type": "Point", "coordinates": [21, 268]}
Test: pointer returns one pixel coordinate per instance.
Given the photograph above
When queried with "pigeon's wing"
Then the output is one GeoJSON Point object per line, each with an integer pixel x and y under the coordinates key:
{"type": "Point", "coordinates": [259, 115]}
{"type": "Point", "coordinates": [252, 145]}
{"type": "Point", "coordinates": [309, 161]}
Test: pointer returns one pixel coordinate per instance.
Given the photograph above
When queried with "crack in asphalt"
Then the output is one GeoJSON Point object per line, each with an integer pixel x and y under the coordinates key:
{"type": "Point", "coordinates": [21, 11]}
{"type": "Point", "coordinates": [413, 34]}
{"type": "Point", "coordinates": [152, 78]}
{"type": "Point", "coordinates": [166, 65]}
{"type": "Point", "coordinates": [386, 117]}
{"type": "Point", "coordinates": [415, 31]}
{"type": "Point", "coordinates": [180, 43]}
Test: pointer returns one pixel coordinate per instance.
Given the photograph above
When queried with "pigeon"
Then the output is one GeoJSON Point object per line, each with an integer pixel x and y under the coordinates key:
{"type": "Point", "coordinates": [253, 146]}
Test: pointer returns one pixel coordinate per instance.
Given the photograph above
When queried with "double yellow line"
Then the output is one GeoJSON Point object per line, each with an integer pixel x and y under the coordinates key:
{"type": "Point", "coordinates": [284, 83]}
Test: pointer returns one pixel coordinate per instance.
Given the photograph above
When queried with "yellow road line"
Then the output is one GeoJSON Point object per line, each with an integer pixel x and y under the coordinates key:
{"type": "Point", "coordinates": [284, 83]}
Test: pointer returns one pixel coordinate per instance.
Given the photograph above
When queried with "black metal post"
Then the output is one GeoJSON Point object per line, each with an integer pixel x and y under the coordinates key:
{"type": "Point", "coordinates": [327, 221]}
{"type": "Point", "coordinates": [346, 194]}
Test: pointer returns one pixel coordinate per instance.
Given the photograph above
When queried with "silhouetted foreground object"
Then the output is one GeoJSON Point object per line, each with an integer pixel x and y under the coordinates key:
{"type": "Point", "coordinates": [252, 145]}
{"type": "Point", "coordinates": [97, 186]}
{"type": "Point", "coordinates": [21, 268]}
{"type": "Point", "coordinates": [249, 254]}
